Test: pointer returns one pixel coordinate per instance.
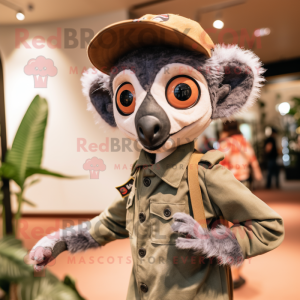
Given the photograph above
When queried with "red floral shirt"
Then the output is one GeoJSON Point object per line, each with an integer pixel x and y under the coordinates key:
{"type": "Point", "coordinates": [238, 156]}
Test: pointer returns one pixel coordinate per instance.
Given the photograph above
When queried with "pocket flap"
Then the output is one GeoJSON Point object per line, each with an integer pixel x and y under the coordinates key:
{"type": "Point", "coordinates": [166, 210]}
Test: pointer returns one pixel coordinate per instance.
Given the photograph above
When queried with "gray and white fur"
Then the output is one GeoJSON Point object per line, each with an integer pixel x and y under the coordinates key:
{"type": "Point", "coordinates": [79, 241]}
{"type": "Point", "coordinates": [219, 242]}
{"type": "Point", "coordinates": [74, 239]}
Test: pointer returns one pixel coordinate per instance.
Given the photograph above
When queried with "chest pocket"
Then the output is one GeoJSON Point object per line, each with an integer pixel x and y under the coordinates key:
{"type": "Point", "coordinates": [161, 217]}
{"type": "Point", "coordinates": [130, 213]}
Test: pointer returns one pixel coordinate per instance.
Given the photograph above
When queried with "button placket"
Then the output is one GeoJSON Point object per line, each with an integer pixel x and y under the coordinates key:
{"type": "Point", "coordinates": [146, 185]}
{"type": "Point", "coordinates": [142, 216]}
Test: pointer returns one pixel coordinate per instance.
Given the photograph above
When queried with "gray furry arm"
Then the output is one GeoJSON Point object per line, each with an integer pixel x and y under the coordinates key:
{"type": "Point", "coordinates": [73, 239]}
{"type": "Point", "coordinates": [79, 241]}
{"type": "Point", "coordinates": [219, 242]}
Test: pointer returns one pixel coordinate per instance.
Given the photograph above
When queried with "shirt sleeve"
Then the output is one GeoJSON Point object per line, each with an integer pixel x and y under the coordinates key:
{"type": "Point", "coordinates": [257, 227]}
{"type": "Point", "coordinates": [110, 225]}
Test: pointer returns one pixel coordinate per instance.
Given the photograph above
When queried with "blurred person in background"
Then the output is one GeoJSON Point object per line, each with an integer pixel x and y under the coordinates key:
{"type": "Point", "coordinates": [271, 153]}
{"type": "Point", "coordinates": [239, 155]}
{"type": "Point", "coordinates": [240, 159]}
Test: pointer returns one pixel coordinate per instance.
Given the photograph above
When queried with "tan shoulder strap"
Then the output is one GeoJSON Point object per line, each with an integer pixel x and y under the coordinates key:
{"type": "Point", "coordinates": [195, 190]}
{"type": "Point", "coordinates": [198, 208]}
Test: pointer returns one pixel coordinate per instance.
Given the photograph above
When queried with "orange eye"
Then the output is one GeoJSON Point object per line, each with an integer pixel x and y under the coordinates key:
{"type": "Point", "coordinates": [125, 99]}
{"type": "Point", "coordinates": [182, 92]}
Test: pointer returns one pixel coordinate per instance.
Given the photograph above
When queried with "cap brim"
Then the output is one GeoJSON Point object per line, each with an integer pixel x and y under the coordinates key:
{"type": "Point", "coordinates": [120, 38]}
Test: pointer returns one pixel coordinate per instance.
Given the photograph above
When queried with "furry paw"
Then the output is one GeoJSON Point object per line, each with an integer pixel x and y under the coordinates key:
{"type": "Point", "coordinates": [42, 253]}
{"type": "Point", "coordinates": [74, 239]}
{"type": "Point", "coordinates": [220, 242]}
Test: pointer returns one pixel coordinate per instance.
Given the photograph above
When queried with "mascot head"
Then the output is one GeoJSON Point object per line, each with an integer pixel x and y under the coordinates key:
{"type": "Point", "coordinates": [161, 80]}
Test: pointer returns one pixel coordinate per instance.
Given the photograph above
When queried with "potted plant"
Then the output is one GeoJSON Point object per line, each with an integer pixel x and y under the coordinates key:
{"type": "Point", "coordinates": [23, 160]}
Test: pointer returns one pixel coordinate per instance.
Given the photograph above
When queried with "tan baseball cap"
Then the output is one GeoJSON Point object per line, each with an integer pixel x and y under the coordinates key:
{"type": "Point", "coordinates": [122, 37]}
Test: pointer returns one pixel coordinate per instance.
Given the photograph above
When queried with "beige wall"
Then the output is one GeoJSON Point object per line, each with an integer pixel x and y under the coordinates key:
{"type": "Point", "coordinates": [68, 119]}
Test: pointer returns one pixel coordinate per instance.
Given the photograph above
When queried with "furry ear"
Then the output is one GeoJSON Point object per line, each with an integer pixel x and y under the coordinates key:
{"type": "Point", "coordinates": [95, 87]}
{"type": "Point", "coordinates": [240, 83]}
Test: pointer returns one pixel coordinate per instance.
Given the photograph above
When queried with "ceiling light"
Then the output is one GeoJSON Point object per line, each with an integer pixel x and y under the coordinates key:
{"type": "Point", "coordinates": [20, 16]}
{"type": "Point", "coordinates": [284, 108]}
{"type": "Point", "coordinates": [218, 24]}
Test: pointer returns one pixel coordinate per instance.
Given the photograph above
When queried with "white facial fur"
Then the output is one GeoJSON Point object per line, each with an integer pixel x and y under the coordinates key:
{"type": "Point", "coordinates": [186, 124]}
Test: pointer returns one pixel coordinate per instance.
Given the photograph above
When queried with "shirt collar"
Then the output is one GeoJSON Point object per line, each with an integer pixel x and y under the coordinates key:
{"type": "Point", "coordinates": [171, 168]}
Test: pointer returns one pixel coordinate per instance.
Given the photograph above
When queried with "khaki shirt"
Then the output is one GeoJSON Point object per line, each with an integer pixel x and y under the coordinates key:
{"type": "Point", "coordinates": [160, 270]}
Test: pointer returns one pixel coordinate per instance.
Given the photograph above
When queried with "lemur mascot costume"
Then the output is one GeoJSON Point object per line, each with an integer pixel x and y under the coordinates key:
{"type": "Point", "coordinates": [161, 81]}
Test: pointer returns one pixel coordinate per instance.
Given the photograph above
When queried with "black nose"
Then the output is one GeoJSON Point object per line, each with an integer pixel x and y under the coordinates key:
{"type": "Point", "coordinates": [152, 124]}
{"type": "Point", "coordinates": [149, 129]}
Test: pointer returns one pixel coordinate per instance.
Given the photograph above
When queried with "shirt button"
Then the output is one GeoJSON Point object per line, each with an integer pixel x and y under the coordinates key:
{"type": "Point", "coordinates": [147, 181]}
{"type": "Point", "coordinates": [142, 217]}
{"type": "Point", "coordinates": [142, 252]}
{"type": "Point", "coordinates": [167, 212]}
{"type": "Point", "coordinates": [144, 288]}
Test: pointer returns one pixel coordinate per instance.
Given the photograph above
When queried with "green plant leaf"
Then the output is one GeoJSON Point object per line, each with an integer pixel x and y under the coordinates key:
{"type": "Point", "coordinates": [70, 282]}
{"type": "Point", "coordinates": [13, 266]}
{"type": "Point", "coordinates": [18, 213]}
{"type": "Point", "coordinates": [29, 202]}
{"type": "Point", "coordinates": [9, 171]}
{"type": "Point", "coordinates": [27, 147]}
{"type": "Point", "coordinates": [31, 171]}
{"type": "Point", "coordinates": [47, 287]}
{"type": "Point", "coordinates": [31, 183]}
